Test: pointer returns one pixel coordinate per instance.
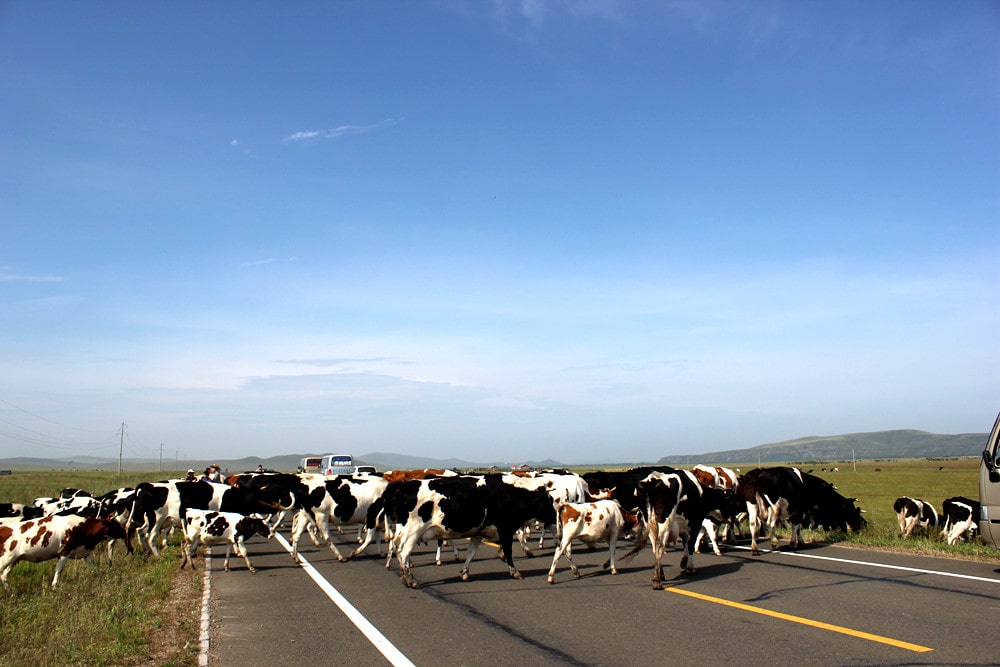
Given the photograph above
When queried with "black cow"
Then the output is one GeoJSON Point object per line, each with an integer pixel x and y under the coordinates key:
{"type": "Point", "coordinates": [913, 513]}
{"type": "Point", "coordinates": [676, 504]}
{"type": "Point", "coordinates": [465, 506]}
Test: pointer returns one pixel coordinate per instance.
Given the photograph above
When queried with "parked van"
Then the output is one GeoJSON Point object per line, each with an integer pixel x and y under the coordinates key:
{"type": "Point", "coordinates": [989, 488]}
{"type": "Point", "coordinates": [328, 464]}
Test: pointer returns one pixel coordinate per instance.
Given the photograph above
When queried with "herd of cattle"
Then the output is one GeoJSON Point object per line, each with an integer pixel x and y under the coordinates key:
{"type": "Point", "coordinates": [659, 505]}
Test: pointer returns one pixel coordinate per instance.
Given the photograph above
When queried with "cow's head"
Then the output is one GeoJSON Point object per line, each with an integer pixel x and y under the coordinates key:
{"type": "Point", "coordinates": [113, 530]}
{"type": "Point", "coordinates": [250, 526]}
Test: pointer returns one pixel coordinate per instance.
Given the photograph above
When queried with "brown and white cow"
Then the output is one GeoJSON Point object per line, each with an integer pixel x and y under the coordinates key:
{"type": "Point", "coordinates": [61, 537]}
{"type": "Point", "coordinates": [597, 521]}
{"type": "Point", "coordinates": [212, 528]}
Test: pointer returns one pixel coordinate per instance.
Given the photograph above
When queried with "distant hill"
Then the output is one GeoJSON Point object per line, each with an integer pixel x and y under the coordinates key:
{"type": "Point", "coordinates": [899, 444]}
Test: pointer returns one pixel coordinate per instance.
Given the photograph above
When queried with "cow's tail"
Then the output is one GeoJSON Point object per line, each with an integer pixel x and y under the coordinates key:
{"type": "Point", "coordinates": [640, 542]}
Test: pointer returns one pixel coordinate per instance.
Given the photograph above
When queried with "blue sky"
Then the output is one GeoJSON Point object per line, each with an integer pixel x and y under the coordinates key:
{"type": "Point", "coordinates": [588, 231]}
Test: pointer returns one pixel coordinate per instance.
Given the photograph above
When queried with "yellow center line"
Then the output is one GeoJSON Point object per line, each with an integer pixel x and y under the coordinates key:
{"type": "Point", "coordinates": [804, 621]}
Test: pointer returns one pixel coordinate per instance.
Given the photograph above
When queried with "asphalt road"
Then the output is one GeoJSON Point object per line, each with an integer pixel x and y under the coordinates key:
{"type": "Point", "coordinates": [825, 605]}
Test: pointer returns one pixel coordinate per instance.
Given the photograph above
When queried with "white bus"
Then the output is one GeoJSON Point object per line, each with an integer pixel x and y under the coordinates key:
{"type": "Point", "coordinates": [328, 464]}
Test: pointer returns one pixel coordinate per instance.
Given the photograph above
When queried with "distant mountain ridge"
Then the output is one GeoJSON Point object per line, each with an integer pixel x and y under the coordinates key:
{"type": "Point", "coordinates": [897, 444]}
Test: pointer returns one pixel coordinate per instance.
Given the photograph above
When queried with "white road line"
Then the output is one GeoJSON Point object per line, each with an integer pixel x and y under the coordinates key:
{"type": "Point", "coordinates": [378, 640]}
{"type": "Point", "coordinates": [882, 565]}
{"type": "Point", "coordinates": [206, 595]}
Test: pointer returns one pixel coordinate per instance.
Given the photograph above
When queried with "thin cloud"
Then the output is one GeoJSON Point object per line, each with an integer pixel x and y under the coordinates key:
{"type": "Point", "coordinates": [268, 260]}
{"type": "Point", "coordinates": [337, 132]}
{"type": "Point", "coordinates": [6, 276]}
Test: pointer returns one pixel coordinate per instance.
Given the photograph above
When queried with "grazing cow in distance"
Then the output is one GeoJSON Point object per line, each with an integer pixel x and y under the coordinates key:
{"type": "Point", "coordinates": [913, 513]}
{"type": "Point", "coordinates": [598, 521]}
{"type": "Point", "coordinates": [61, 537]}
{"type": "Point", "coordinates": [229, 528]}
{"type": "Point", "coordinates": [960, 518]}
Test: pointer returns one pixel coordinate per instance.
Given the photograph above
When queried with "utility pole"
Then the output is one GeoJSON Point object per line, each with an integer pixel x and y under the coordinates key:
{"type": "Point", "coordinates": [121, 448]}
{"type": "Point", "coordinates": [160, 469]}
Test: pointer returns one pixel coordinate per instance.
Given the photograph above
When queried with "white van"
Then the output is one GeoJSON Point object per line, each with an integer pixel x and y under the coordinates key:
{"type": "Point", "coordinates": [989, 488]}
{"type": "Point", "coordinates": [328, 464]}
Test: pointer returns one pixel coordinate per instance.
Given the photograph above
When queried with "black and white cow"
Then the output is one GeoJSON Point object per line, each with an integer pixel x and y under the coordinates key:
{"type": "Point", "coordinates": [676, 505]}
{"type": "Point", "coordinates": [212, 528]}
{"type": "Point", "coordinates": [960, 518]}
{"type": "Point", "coordinates": [340, 501]}
{"type": "Point", "coordinates": [788, 494]}
{"type": "Point", "coordinates": [624, 484]}
{"type": "Point", "coordinates": [464, 506]}
{"type": "Point", "coordinates": [161, 505]}
{"type": "Point", "coordinates": [912, 513]}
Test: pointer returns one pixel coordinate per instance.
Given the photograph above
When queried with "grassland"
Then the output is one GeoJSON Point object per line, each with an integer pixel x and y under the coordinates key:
{"type": "Point", "coordinates": [132, 611]}
{"type": "Point", "coordinates": [139, 611]}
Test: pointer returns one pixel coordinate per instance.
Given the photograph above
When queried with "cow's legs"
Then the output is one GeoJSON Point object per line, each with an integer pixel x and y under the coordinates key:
{"type": "Point", "coordinates": [753, 522]}
{"type": "Point", "coordinates": [241, 551]}
{"type": "Point", "coordinates": [62, 563]}
{"type": "Point", "coordinates": [612, 545]}
{"type": "Point", "coordinates": [563, 547]}
{"type": "Point", "coordinates": [404, 547]}
{"type": "Point", "coordinates": [474, 543]}
{"type": "Point", "coordinates": [657, 539]}
{"type": "Point", "coordinates": [188, 553]}
{"type": "Point", "coordinates": [507, 544]}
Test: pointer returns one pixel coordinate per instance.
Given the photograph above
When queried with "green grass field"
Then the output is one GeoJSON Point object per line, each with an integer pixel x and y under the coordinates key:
{"type": "Point", "coordinates": [113, 613]}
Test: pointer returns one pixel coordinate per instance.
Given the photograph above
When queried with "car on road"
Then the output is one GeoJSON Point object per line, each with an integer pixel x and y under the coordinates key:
{"type": "Point", "coordinates": [989, 489]}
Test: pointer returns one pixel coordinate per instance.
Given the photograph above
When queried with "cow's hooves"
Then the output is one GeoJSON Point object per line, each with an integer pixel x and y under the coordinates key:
{"type": "Point", "coordinates": [689, 571]}
{"type": "Point", "coordinates": [552, 580]}
{"type": "Point", "coordinates": [606, 565]}
{"type": "Point", "coordinates": [657, 586]}
{"type": "Point", "coordinates": [614, 571]}
{"type": "Point", "coordinates": [342, 559]}
{"type": "Point", "coordinates": [517, 575]}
